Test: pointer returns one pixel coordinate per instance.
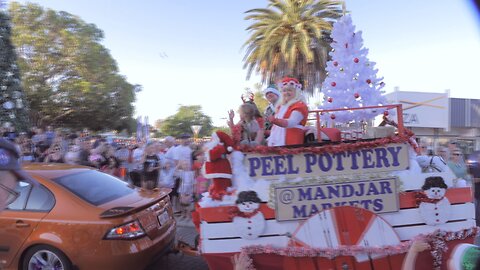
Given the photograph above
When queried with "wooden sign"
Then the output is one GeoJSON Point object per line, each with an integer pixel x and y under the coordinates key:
{"type": "Point", "coordinates": [391, 157]}
{"type": "Point", "coordinates": [300, 202]}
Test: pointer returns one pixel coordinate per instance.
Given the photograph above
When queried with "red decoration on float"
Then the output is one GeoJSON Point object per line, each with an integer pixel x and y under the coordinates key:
{"type": "Point", "coordinates": [356, 95]}
{"type": "Point", "coordinates": [356, 60]}
{"type": "Point", "coordinates": [330, 99]}
{"type": "Point", "coordinates": [335, 63]}
{"type": "Point", "coordinates": [333, 84]}
{"type": "Point", "coordinates": [437, 241]}
{"type": "Point", "coordinates": [332, 116]}
{"type": "Point", "coordinates": [369, 81]}
{"type": "Point", "coordinates": [400, 138]}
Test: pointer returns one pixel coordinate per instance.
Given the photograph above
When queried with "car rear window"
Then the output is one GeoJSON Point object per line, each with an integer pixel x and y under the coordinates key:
{"type": "Point", "coordinates": [95, 187]}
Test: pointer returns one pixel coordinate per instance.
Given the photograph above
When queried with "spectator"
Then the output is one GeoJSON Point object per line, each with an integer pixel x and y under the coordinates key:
{"type": "Point", "coordinates": [10, 133]}
{"type": "Point", "coordinates": [26, 147]}
{"type": "Point", "coordinates": [10, 173]}
{"type": "Point", "coordinates": [151, 167]}
{"type": "Point", "coordinates": [50, 135]}
{"type": "Point", "coordinates": [443, 152]}
{"type": "Point", "coordinates": [459, 168]}
{"type": "Point", "coordinates": [54, 154]}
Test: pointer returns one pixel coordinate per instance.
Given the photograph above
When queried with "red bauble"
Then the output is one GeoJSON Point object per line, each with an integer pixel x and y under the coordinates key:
{"type": "Point", "coordinates": [385, 113]}
{"type": "Point", "coordinates": [355, 60]}
{"type": "Point", "coordinates": [333, 84]}
{"type": "Point", "coordinates": [356, 95]}
{"type": "Point", "coordinates": [332, 116]}
{"type": "Point", "coordinates": [369, 81]}
{"type": "Point", "coordinates": [330, 100]}
{"type": "Point", "coordinates": [335, 63]}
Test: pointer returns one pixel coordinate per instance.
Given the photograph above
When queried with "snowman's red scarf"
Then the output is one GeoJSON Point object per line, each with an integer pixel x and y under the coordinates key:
{"type": "Point", "coordinates": [422, 197]}
{"type": "Point", "coordinates": [235, 212]}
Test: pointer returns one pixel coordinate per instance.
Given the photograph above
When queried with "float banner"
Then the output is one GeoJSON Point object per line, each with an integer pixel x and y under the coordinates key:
{"type": "Point", "coordinates": [301, 202]}
{"type": "Point", "coordinates": [391, 157]}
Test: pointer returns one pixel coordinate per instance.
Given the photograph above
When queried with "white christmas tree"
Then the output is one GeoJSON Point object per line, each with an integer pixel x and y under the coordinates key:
{"type": "Point", "coordinates": [352, 80]}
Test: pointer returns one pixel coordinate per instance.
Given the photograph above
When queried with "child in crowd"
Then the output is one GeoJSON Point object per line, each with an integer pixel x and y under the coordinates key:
{"type": "Point", "coordinates": [201, 183]}
{"type": "Point", "coordinates": [186, 187]}
{"type": "Point", "coordinates": [151, 167]}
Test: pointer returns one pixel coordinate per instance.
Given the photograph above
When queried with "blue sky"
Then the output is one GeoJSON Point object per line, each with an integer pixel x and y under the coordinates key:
{"type": "Point", "coordinates": [188, 52]}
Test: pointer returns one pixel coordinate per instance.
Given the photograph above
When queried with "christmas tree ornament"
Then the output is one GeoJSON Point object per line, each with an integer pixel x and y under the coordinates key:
{"type": "Point", "coordinates": [330, 99]}
{"type": "Point", "coordinates": [8, 105]}
{"type": "Point", "coordinates": [369, 81]}
{"type": "Point", "coordinates": [342, 69]}
{"type": "Point", "coordinates": [332, 116]}
{"type": "Point", "coordinates": [356, 60]}
{"type": "Point", "coordinates": [335, 63]}
{"type": "Point", "coordinates": [382, 84]}
{"type": "Point", "coordinates": [356, 95]}
{"type": "Point", "coordinates": [385, 113]}
{"type": "Point", "coordinates": [333, 84]}
{"type": "Point", "coordinates": [355, 78]}
{"type": "Point", "coordinates": [346, 45]}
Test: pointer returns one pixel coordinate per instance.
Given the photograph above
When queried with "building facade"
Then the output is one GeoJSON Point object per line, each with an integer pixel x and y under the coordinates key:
{"type": "Point", "coordinates": [436, 119]}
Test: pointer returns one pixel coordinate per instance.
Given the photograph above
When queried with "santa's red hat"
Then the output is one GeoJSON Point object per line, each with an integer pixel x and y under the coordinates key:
{"type": "Point", "coordinates": [225, 139]}
{"type": "Point", "coordinates": [288, 81]}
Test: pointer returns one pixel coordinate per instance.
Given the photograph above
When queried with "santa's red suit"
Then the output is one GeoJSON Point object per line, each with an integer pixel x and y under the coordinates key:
{"type": "Point", "coordinates": [217, 167]}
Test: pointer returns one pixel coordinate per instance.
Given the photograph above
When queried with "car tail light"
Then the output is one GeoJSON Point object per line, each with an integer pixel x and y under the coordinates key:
{"type": "Point", "coordinates": [128, 231]}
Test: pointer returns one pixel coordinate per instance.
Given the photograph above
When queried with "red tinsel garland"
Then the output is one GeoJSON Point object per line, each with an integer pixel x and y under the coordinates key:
{"type": "Point", "coordinates": [437, 241]}
{"type": "Point", "coordinates": [333, 148]}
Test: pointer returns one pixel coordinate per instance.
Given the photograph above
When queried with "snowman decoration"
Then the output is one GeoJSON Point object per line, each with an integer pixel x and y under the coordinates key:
{"type": "Point", "coordinates": [434, 207]}
{"type": "Point", "coordinates": [247, 219]}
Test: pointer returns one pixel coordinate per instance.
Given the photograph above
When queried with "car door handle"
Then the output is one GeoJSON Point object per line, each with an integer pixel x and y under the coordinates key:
{"type": "Point", "coordinates": [21, 224]}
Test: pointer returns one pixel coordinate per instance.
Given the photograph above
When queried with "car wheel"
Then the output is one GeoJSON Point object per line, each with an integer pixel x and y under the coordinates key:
{"type": "Point", "coordinates": [45, 257]}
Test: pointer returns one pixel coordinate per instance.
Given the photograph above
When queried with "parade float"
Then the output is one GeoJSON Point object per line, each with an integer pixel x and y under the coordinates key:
{"type": "Point", "coordinates": [355, 197]}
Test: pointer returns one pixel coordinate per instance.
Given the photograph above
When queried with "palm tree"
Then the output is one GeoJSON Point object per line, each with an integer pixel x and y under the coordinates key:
{"type": "Point", "coordinates": [291, 37]}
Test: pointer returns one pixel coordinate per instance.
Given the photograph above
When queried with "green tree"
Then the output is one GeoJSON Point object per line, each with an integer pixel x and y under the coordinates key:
{"type": "Point", "coordinates": [69, 77]}
{"type": "Point", "coordinates": [13, 110]}
{"type": "Point", "coordinates": [291, 37]}
{"type": "Point", "coordinates": [182, 121]}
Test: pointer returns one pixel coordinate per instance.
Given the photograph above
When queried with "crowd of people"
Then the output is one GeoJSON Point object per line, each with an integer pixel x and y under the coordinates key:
{"type": "Point", "coordinates": [172, 162]}
{"type": "Point", "coordinates": [453, 156]}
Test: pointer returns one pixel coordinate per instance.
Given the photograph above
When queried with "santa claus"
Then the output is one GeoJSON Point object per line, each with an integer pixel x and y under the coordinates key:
{"type": "Point", "coordinates": [216, 166]}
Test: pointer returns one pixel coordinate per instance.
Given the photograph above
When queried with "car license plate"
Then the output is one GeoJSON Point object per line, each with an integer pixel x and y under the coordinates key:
{"type": "Point", "coordinates": [163, 218]}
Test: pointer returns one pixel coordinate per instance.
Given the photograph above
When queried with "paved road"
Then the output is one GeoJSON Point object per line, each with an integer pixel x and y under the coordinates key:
{"type": "Point", "coordinates": [185, 232]}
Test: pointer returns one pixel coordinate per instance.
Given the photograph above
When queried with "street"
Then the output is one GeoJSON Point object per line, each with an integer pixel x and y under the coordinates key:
{"type": "Point", "coordinates": [186, 233]}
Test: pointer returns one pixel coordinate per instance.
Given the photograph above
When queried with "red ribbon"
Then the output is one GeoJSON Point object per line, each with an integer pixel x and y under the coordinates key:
{"type": "Point", "coordinates": [235, 212]}
{"type": "Point", "coordinates": [422, 197]}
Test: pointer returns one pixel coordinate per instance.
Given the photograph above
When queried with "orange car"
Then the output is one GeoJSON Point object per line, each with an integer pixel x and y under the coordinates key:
{"type": "Point", "coordinates": [80, 218]}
